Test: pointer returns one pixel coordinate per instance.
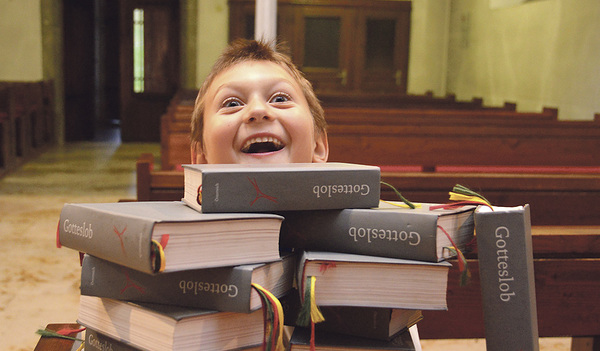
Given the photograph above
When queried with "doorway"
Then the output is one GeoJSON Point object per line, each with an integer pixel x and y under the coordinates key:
{"type": "Point", "coordinates": [109, 45]}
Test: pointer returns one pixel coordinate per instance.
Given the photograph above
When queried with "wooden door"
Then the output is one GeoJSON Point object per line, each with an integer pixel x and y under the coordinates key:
{"type": "Point", "coordinates": [149, 61]}
{"type": "Point", "coordinates": [79, 70]}
{"type": "Point", "coordinates": [322, 47]}
{"type": "Point", "coordinates": [382, 59]}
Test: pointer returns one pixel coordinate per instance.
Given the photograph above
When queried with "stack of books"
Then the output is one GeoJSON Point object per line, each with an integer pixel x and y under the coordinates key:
{"type": "Point", "coordinates": [376, 265]}
{"type": "Point", "coordinates": [179, 275]}
{"type": "Point", "coordinates": [163, 276]}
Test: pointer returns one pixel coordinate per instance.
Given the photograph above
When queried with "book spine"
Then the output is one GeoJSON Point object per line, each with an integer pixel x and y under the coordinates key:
{"type": "Point", "coordinates": [507, 279]}
{"type": "Point", "coordinates": [368, 322]}
{"type": "Point", "coordinates": [222, 289]}
{"type": "Point", "coordinates": [95, 341]}
{"type": "Point", "coordinates": [301, 340]}
{"type": "Point", "coordinates": [121, 239]}
{"type": "Point", "coordinates": [288, 191]}
{"type": "Point", "coordinates": [363, 232]}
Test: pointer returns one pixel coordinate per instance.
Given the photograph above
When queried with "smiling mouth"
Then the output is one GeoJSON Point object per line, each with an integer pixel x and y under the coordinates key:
{"type": "Point", "coordinates": [262, 144]}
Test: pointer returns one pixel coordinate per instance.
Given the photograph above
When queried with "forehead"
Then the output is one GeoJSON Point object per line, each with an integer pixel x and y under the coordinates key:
{"type": "Point", "coordinates": [252, 70]}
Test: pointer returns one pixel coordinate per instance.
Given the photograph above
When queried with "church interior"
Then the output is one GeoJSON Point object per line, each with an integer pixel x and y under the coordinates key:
{"type": "Point", "coordinates": [499, 93]}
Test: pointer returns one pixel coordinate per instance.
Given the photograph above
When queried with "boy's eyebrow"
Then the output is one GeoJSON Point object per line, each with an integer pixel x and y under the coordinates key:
{"type": "Point", "coordinates": [233, 84]}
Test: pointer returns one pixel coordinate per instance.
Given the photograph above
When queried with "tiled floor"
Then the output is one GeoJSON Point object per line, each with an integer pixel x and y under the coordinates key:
{"type": "Point", "coordinates": [38, 282]}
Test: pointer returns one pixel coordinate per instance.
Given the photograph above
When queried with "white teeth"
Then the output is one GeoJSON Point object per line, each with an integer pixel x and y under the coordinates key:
{"type": "Point", "coordinates": [265, 139]}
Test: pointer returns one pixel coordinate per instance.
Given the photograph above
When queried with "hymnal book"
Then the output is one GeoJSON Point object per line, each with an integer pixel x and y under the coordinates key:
{"type": "Point", "coordinates": [96, 341]}
{"type": "Point", "coordinates": [505, 256]}
{"type": "Point", "coordinates": [324, 341]}
{"type": "Point", "coordinates": [368, 322]}
{"type": "Point", "coordinates": [168, 236]}
{"type": "Point", "coordinates": [280, 187]}
{"type": "Point", "coordinates": [370, 281]}
{"type": "Point", "coordinates": [168, 327]}
{"type": "Point", "coordinates": [391, 230]}
{"type": "Point", "coordinates": [222, 289]}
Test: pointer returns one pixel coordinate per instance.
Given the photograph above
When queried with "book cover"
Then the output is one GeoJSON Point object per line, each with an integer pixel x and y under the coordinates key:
{"type": "Point", "coordinates": [507, 279]}
{"type": "Point", "coordinates": [167, 327]}
{"type": "Point", "coordinates": [222, 289]}
{"type": "Point", "coordinates": [370, 281]}
{"type": "Point", "coordinates": [367, 322]}
{"type": "Point", "coordinates": [281, 187]}
{"type": "Point", "coordinates": [300, 340]}
{"type": "Point", "coordinates": [96, 341]}
{"type": "Point", "coordinates": [168, 236]}
{"type": "Point", "coordinates": [423, 233]}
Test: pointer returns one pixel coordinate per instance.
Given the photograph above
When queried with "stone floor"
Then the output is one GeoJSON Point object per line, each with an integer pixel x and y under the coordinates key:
{"type": "Point", "coordinates": [39, 282]}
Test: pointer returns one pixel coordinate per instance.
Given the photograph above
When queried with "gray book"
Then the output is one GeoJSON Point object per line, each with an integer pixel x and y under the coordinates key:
{"type": "Point", "coordinates": [507, 278]}
{"type": "Point", "coordinates": [280, 187]}
{"type": "Point", "coordinates": [423, 233]}
{"type": "Point", "coordinates": [367, 322]}
{"type": "Point", "coordinates": [222, 289]}
{"type": "Point", "coordinates": [95, 341]}
{"type": "Point", "coordinates": [130, 234]}
{"type": "Point", "coordinates": [300, 341]}
{"type": "Point", "coordinates": [370, 281]}
{"type": "Point", "coordinates": [166, 327]}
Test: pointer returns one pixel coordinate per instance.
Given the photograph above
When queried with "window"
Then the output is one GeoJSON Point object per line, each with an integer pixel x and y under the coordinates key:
{"type": "Point", "coordinates": [138, 50]}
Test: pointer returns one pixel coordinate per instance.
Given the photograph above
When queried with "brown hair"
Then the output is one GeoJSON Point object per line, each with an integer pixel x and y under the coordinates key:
{"type": "Point", "coordinates": [242, 50]}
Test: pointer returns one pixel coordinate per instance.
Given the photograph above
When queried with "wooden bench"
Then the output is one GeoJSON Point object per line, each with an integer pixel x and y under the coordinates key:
{"type": "Point", "coordinates": [423, 116]}
{"type": "Point", "coordinates": [157, 185]}
{"type": "Point", "coordinates": [412, 101]}
{"type": "Point", "coordinates": [26, 114]}
{"type": "Point", "coordinates": [175, 123]}
{"type": "Point", "coordinates": [431, 138]}
{"type": "Point", "coordinates": [549, 143]}
{"type": "Point", "coordinates": [175, 130]}
{"type": "Point", "coordinates": [5, 136]}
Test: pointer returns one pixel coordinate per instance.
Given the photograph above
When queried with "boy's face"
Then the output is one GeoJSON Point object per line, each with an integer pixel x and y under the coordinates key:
{"type": "Point", "coordinates": [257, 113]}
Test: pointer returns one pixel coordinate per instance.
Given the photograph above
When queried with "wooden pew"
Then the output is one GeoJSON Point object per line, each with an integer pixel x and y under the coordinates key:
{"type": "Point", "coordinates": [26, 112]}
{"type": "Point", "coordinates": [157, 185]}
{"type": "Point", "coordinates": [555, 199]}
{"type": "Point", "coordinates": [423, 126]}
{"type": "Point", "coordinates": [423, 116]}
{"type": "Point", "coordinates": [47, 123]}
{"type": "Point", "coordinates": [504, 143]}
{"type": "Point", "coordinates": [5, 136]}
{"type": "Point", "coordinates": [175, 122]}
{"type": "Point", "coordinates": [175, 130]}
{"type": "Point", "coordinates": [416, 101]}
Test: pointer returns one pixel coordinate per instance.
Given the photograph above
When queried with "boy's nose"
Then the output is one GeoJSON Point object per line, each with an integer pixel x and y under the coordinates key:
{"type": "Point", "coordinates": [257, 110]}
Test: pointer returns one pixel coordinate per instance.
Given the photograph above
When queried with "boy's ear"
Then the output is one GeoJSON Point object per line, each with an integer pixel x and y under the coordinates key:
{"type": "Point", "coordinates": [321, 152]}
{"type": "Point", "coordinates": [197, 153]}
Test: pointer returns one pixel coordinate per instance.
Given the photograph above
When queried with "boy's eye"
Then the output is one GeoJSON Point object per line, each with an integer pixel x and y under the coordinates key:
{"type": "Point", "coordinates": [231, 102]}
{"type": "Point", "coordinates": [280, 97]}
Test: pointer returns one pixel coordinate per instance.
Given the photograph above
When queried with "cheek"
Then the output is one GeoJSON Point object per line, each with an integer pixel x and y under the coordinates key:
{"type": "Point", "coordinates": [304, 127]}
{"type": "Point", "coordinates": [218, 130]}
{"type": "Point", "coordinates": [216, 136]}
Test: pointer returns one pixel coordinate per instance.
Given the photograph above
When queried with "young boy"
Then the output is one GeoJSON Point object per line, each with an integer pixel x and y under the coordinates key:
{"type": "Point", "coordinates": [255, 106]}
